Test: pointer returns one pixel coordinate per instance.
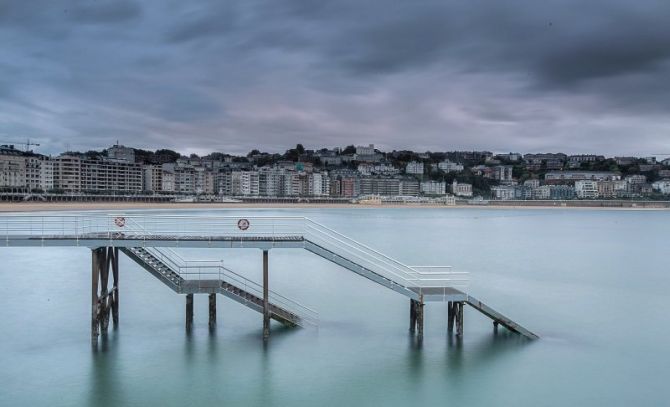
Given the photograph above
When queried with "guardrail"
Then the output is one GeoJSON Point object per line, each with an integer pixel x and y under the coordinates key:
{"type": "Point", "coordinates": [179, 227]}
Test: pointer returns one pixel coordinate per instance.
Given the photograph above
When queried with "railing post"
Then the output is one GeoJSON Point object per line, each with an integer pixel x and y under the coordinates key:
{"type": "Point", "coordinates": [266, 302]}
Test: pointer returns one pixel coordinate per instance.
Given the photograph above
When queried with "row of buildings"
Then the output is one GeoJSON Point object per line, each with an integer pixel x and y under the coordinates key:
{"type": "Point", "coordinates": [582, 185]}
{"type": "Point", "coordinates": [119, 172]}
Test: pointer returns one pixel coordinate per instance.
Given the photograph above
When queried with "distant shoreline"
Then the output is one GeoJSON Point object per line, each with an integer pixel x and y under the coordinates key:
{"type": "Point", "coordinates": [82, 206]}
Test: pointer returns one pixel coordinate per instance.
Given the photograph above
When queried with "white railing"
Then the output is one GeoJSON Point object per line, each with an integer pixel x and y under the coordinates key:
{"type": "Point", "coordinates": [179, 227]}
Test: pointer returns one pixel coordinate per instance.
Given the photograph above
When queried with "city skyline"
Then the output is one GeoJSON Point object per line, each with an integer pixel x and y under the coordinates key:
{"type": "Point", "coordinates": [559, 76]}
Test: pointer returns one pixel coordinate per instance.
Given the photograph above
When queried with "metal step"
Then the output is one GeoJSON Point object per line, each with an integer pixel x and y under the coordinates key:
{"type": "Point", "coordinates": [178, 284]}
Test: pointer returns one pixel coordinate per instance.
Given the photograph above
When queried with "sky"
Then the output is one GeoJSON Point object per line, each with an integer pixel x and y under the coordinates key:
{"type": "Point", "coordinates": [231, 76]}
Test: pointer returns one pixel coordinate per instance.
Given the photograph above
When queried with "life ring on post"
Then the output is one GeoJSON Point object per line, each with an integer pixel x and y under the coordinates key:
{"type": "Point", "coordinates": [243, 224]}
{"type": "Point", "coordinates": [120, 221]}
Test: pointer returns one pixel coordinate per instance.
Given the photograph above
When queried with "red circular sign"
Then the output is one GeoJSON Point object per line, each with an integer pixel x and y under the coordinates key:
{"type": "Point", "coordinates": [120, 221]}
{"type": "Point", "coordinates": [243, 224]}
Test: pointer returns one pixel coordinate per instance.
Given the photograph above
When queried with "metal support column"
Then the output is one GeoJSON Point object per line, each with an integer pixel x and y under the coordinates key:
{"type": "Point", "coordinates": [266, 301]}
{"type": "Point", "coordinates": [189, 311]}
{"type": "Point", "coordinates": [212, 311]}
{"type": "Point", "coordinates": [412, 315]}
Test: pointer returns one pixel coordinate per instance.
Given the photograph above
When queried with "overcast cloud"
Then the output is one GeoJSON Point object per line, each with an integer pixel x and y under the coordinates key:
{"type": "Point", "coordinates": [230, 76]}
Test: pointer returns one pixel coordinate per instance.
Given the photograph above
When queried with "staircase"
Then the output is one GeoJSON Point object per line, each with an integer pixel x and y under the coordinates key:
{"type": "Point", "coordinates": [185, 277]}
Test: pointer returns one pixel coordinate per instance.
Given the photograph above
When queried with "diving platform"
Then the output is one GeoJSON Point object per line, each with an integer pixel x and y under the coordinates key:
{"type": "Point", "coordinates": [151, 240]}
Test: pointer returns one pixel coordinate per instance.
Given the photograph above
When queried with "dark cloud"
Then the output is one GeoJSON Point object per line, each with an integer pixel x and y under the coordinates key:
{"type": "Point", "coordinates": [434, 74]}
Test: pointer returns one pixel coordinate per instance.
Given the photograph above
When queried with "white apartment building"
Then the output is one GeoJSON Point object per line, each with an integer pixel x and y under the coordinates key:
{"type": "Point", "coordinates": [662, 186]}
{"type": "Point", "coordinates": [434, 187]}
{"type": "Point", "coordinates": [414, 167]}
{"type": "Point", "coordinates": [461, 189]}
{"type": "Point", "coordinates": [168, 180]}
{"type": "Point", "coordinates": [362, 150]}
{"type": "Point", "coordinates": [46, 174]}
{"type": "Point", "coordinates": [450, 166]}
{"type": "Point", "coordinates": [586, 189]}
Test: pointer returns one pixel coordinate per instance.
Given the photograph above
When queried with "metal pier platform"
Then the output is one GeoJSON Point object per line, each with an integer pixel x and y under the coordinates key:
{"type": "Point", "coordinates": [149, 240]}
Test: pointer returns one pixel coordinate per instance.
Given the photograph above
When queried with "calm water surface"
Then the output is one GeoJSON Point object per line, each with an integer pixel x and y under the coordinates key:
{"type": "Point", "coordinates": [594, 284]}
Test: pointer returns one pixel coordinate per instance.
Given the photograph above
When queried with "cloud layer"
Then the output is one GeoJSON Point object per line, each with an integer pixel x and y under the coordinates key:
{"type": "Point", "coordinates": [230, 76]}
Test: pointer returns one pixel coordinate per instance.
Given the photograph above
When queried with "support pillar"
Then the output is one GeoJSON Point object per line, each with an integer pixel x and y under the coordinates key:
{"type": "Point", "coordinates": [450, 317]}
{"type": "Point", "coordinates": [212, 311]}
{"type": "Point", "coordinates": [114, 254]}
{"type": "Point", "coordinates": [104, 302]}
{"type": "Point", "coordinates": [459, 318]}
{"type": "Point", "coordinates": [189, 311]}
{"type": "Point", "coordinates": [266, 301]}
{"type": "Point", "coordinates": [419, 317]}
{"type": "Point", "coordinates": [95, 303]}
{"type": "Point", "coordinates": [412, 315]}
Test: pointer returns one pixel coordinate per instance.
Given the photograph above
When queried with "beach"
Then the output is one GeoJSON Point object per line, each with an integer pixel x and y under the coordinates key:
{"type": "Point", "coordinates": [120, 206]}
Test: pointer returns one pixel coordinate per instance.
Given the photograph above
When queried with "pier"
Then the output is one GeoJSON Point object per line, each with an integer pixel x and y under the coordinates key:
{"type": "Point", "coordinates": [150, 241]}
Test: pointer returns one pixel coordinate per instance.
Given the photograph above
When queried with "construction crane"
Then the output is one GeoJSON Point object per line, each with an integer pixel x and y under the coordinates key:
{"type": "Point", "coordinates": [27, 144]}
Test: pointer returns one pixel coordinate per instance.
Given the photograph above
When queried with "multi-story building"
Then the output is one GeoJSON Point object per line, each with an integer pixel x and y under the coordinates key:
{"type": "Point", "coordinates": [461, 189]}
{"type": "Point", "coordinates": [561, 192]}
{"type": "Point", "coordinates": [449, 166]}
{"type": "Point", "coordinates": [503, 173]}
{"type": "Point", "coordinates": [46, 174]}
{"type": "Point", "coordinates": [380, 186]}
{"type": "Point", "coordinates": [409, 187]}
{"type": "Point", "coordinates": [414, 167]}
{"type": "Point", "coordinates": [67, 173]}
{"type": "Point", "coordinates": [503, 192]}
{"type": "Point", "coordinates": [105, 175]}
{"type": "Point", "coordinates": [153, 178]}
{"type": "Point", "coordinates": [586, 189]}
{"type": "Point", "coordinates": [662, 186]}
{"type": "Point", "coordinates": [433, 188]}
{"type": "Point", "coordinates": [606, 189]}
{"type": "Point", "coordinates": [570, 176]}
{"type": "Point", "coordinates": [12, 168]}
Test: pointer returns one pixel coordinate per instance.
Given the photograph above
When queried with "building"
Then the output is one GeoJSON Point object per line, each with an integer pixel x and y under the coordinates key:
{"type": "Point", "coordinates": [362, 150]}
{"type": "Point", "coordinates": [46, 175]}
{"type": "Point", "coordinates": [121, 153]}
{"type": "Point", "coordinates": [67, 173]}
{"type": "Point", "coordinates": [586, 189]}
{"type": "Point", "coordinates": [662, 186]}
{"type": "Point", "coordinates": [606, 189]}
{"type": "Point", "coordinates": [461, 189]}
{"type": "Point", "coordinates": [153, 178]}
{"type": "Point", "coordinates": [433, 188]}
{"type": "Point", "coordinates": [414, 167]}
{"type": "Point", "coordinates": [380, 186]}
{"type": "Point", "coordinates": [449, 166]}
{"type": "Point", "coordinates": [12, 168]}
{"type": "Point", "coordinates": [503, 192]}
{"type": "Point", "coordinates": [561, 192]}
{"type": "Point", "coordinates": [532, 183]}
{"type": "Point", "coordinates": [503, 173]}
{"type": "Point", "coordinates": [409, 187]}
{"type": "Point", "coordinates": [106, 175]}
{"type": "Point", "coordinates": [555, 177]}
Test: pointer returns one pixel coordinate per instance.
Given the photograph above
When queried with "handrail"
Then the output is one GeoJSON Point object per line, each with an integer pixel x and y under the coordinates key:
{"type": "Point", "coordinates": [177, 227]}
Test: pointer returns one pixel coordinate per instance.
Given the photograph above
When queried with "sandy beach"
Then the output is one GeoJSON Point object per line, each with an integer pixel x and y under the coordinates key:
{"type": "Point", "coordinates": [116, 206]}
